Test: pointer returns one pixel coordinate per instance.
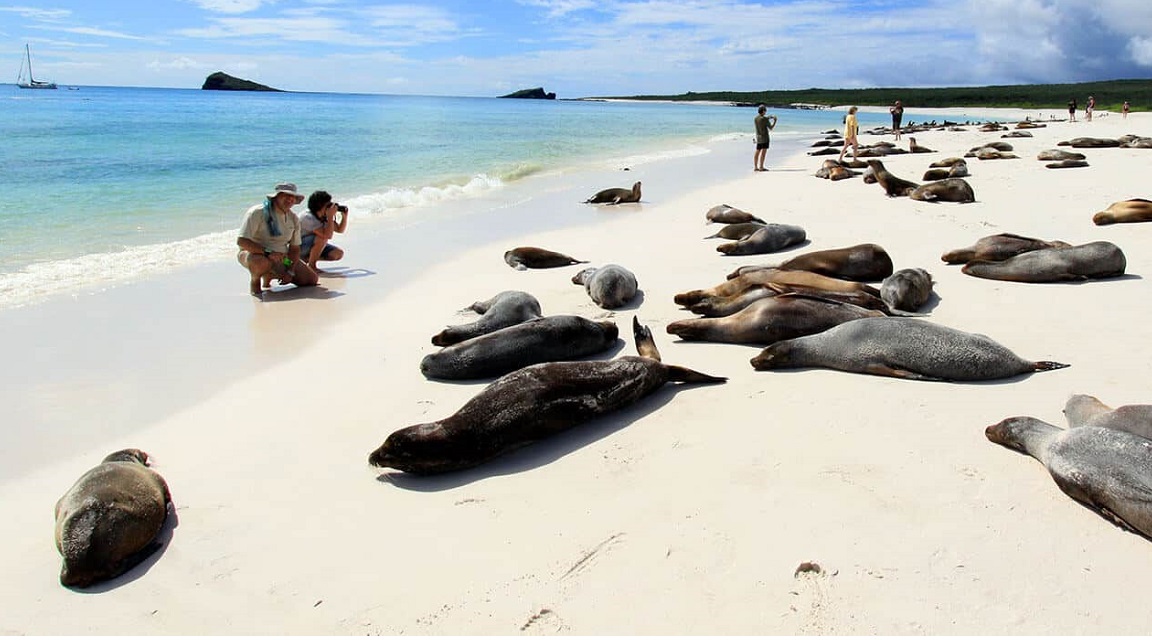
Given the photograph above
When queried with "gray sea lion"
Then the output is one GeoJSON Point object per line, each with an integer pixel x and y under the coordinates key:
{"type": "Point", "coordinates": [1028, 124]}
{"type": "Point", "coordinates": [108, 521]}
{"type": "Point", "coordinates": [1137, 143]}
{"type": "Point", "coordinates": [988, 153]}
{"type": "Point", "coordinates": [522, 258]}
{"type": "Point", "coordinates": [616, 195]}
{"type": "Point", "coordinates": [789, 315]}
{"type": "Point", "coordinates": [765, 275]}
{"type": "Point", "coordinates": [826, 151]}
{"type": "Point", "coordinates": [946, 190]}
{"type": "Point", "coordinates": [1058, 155]}
{"type": "Point", "coordinates": [547, 339]}
{"type": "Point", "coordinates": [1094, 260]}
{"type": "Point", "coordinates": [1087, 411]}
{"type": "Point", "coordinates": [916, 148]}
{"type": "Point", "coordinates": [893, 186]}
{"type": "Point", "coordinates": [1066, 164]}
{"type": "Point", "coordinates": [907, 289]}
{"type": "Point", "coordinates": [994, 145]}
{"type": "Point", "coordinates": [1134, 210]}
{"type": "Point", "coordinates": [505, 309]}
{"type": "Point", "coordinates": [736, 231]}
{"type": "Point", "coordinates": [730, 215]}
{"type": "Point", "coordinates": [528, 405]}
{"type": "Point", "coordinates": [861, 262]}
{"type": "Point", "coordinates": [1108, 470]}
{"type": "Point", "coordinates": [947, 162]}
{"type": "Point", "coordinates": [989, 127]}
{"type": "Point", "coordinates": [720, 306]}
{"type": "Point", "coordinates": [1017, 134]}
{"type": "Point", "coordinates": [610, 286]}
{"type": "Point", "coordinates": [1089, 143]}
{"type": "Point", "coordinates": [900, 348]}
{"type": "Point", "coordinates": [770, 238]}
{"type": "Point", "coordinates": [999, 247]}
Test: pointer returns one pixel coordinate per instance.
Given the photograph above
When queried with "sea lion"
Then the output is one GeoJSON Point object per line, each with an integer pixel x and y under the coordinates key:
{"type": "Point", "coordinates": [994, 145]}
{"type": "Point", "coordinates": [955, 170]}
{"type": "Point", "coordinates": [736, 231]}
{"type": "Point", "coordinates": [610, 286]}
{"type": "Point", "coordinates": [616, 195]}
{"type": "Point", "coordinates": [916, 148]}
{"type": "Point", "coordinates": [765, 275]}
{"type": "Point", "coordinates": [1017, 134]}
{"type": "Point", "coordinates": [999, 247]}
{"type": "Point", "coordinates": [1066, 164]}
{"type": "Point", "coordinates": [770, 238]}
{"type": "Point", "coordinates": [989, 127]}
{"type": "Point", "coordinates": [947, 162]}
{"type": "Point", "coordinates": [861, 262]}
{"type": "Point", "coordinates": [1087, 411]}
{"type": "Point", "coordinates": [907, 289]}
{"type": "Point", "coordinates": [833, 170]}
{"type": "Point", "coordinates": [718, 307]}
{"type": "Point", "coordinates": [1137, 143]}
{"type": "Point", "coordinates": [1028, 124]}
{"type": "Point", "coordinates": [108, 521]}
{"type": "Point", "coordinates": [1134, 210]}
{"type": "Point", "coordinates": [531, 404]}
{"type": "Point", "coordinates": [1108, 470]}
{"type": "Point", "coordinates": [522, 258]}
{"type": "Point", "coordinates": [946, 190]}
{"type": "Point", "coordinates": [988, 153]}
{"type": "Point", "coordinates": [1058, 155]}
{"type": "Point", "coordinates": [893, 186]}
{"type": "Point", "coordinates": [1094, 260]}
{"type": "Point", "coordinates": [1089, 143]}
{"type": "Point", "coordinates": [730, 215]}
{"type": "Point", "coordinates": [789, 315]}
{"type": "Point", "coordinates": [826, 151]}
{"type": "Point", "coordinates": [505, 309]}
{"type": "Point", "coordinates": [901, 348]}
{"type": "Point", "coordinates": [547, 339]}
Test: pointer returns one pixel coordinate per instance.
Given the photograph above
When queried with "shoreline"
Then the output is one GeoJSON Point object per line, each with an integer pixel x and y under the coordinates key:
{"type": "Point", "coordinates": [714, 494]}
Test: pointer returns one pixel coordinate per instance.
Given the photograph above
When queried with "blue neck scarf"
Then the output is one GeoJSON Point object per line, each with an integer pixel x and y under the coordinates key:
{"type": "Point", "coordinates": [270, 218]}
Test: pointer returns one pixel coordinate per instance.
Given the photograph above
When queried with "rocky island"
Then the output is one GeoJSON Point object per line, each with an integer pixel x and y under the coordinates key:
{"type": "Point", "coordinates": [221, 81]}
{"type": "Point", "coordinates": [533, 94]}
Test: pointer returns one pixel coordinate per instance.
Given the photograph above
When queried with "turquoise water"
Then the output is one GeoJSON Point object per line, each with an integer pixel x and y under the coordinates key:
{"type": "Point", "coordinates": [106, 180]}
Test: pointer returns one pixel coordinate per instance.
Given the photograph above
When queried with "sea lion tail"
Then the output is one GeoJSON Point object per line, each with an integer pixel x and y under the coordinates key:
{"type": "Point", "coordinates": [1048, 365]}
{"type": "Point", "coordinates": [645, 343]}
{"type": "Point", "coordinates": [688, 376]}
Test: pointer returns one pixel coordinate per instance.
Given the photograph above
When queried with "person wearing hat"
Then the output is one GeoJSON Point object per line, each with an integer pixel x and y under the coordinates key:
{"type": "Point", "coordinates": [269, 242]}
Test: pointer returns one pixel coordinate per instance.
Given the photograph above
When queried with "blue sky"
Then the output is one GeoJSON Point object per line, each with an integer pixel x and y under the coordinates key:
{"type": "Point", "coordinates": [579, 48]}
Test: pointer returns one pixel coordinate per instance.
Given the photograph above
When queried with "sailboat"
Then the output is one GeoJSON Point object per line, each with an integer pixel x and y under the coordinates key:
{"type": "Point", "coordinates": [32, 83]}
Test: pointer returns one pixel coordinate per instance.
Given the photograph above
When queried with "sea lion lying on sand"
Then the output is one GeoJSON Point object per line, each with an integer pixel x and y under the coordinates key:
{"type": "Point", "coordinates": [616, 195]}
{"type": "Point", "coordinates": [768, 320]}
{"type": "Point", "coordinates": [946, 190]}
{"type": "Point", "coordinates": [1084, 262]}
{"type": "Point", "coordinates": [999, 247]}
{"type": "Point", "coordinates": [1134, 210]}
{"type": "Point", "coordinates": [502, 310]}
{"type": "Point", "coordinates": [730, 215]}
{"type": "Point", "coordinates": [769, 238]}
{"type": "Point", "coordinates": [522, 258]}
{"type": "Point", "coordinates": [765, 275]}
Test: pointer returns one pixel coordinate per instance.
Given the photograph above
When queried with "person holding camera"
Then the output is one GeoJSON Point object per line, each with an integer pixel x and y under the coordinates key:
{"type": "Point", "coordinates": [324, 219]}
{"type": "Point", "coordinates": [269, 241]}
{"type": "Point", "coordinates": [764, 124]}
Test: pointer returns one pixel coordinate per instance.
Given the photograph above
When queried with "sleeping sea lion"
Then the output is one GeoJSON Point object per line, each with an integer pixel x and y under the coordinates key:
{"type": "Point", "coordinates": [1094, 260]}
{"type": "Point", "coordinates": [502, 310]}
{"type": "Point", "coordinates": [522, 258]}
{"type": "Point", "coordinates": [946, 190]}
{"type": "Point", "coordinates": [1134, 210]}
{"type": "Point", "coordinates": [947, 162]}
{"type": "Point", "coordinates": [610, 286]}
{"type": "Point", "coordinates": [1087, 411]}
{"type": "Point", "coordinates": [1089, 143]}
{"type": "Point", "coordinates": [770, 238]}
{"type": "Point", "coordinates": [893, 186]}
{"type": "Point", "coordinates": [616, 195]}
{"type": "Point", "coordinates": [861, 262]}
{"type": "Point", "coordinates": [736, 231]}
{"type": "Point", "coordinates": [955, 170]}
{"type": "Point", "coordinates": [765, 275]}
{"type": "Point", "coordinates": [720, 306]}
{"type": "Point", "coordinates": [730, 215]}
{"type": "Point", "coordinates": [907, 289]}
{"type": "Point", "coordinates": [765, 321]}
{"type": "Point", "coordinates": [1058, 155]}
{"type": "Point", "coordinates": [999, 247]}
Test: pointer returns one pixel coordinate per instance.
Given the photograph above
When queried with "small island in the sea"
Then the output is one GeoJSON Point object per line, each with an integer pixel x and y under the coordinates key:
{"type": "Point", "coordinates": [221, 81]}
{"type": "Point", "coordinates": [532, 94]}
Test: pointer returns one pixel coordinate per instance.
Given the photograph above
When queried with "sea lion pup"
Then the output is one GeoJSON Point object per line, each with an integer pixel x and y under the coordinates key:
{"type": "Point", "coordinates": [764, 275]}
{"type": "Point", "coordinates": [834, 170]}
{"type": "Point", "coordinates": [736, 231]}
{"type": "Point", "coordinates": [916, 148]}
{"type": "Point", "coordinates": [108, 521]}
{"type": "Point", "coordinates": [505, 309]}
{"type": "Point", "coordinates": [900, 348]}
{"type": "Point", "coordinates": [946, 190]}
{"type": "Point", "coordinates": [988, 153]}
{"type": "Point", "coordinates": [531, 404]}
{"type": "Point", "coordinates": [1087, 411]}
{"type": "Point", "coordinates": [1137, 143]}
{"type": "Point", "coordinates": [1058, 155]}
{"type": "Point", "coordinates": [893, 186]}
{"type": "Point", "coordinates": [999, 247]}
{"type": "Point", "coordinates": [610, 286]}
{"type": "Point", "coordinates": [1066, 164]}
{"type": "Point", "coordinates": [616, 195]}
{"type": "Point", "coordinates": [861, 262]}
{"type": "Point", "coordinates": [1089, 143]}
{"type": "Point", "coordinates": [770, 238]}
{"type": "Point", "coordinates": [1108, 470]}
{"type": "Point", "coordinates": [541, 340]}
{"type": "Point", "coordinates": [995, 145]}
{"type": "Point", "coordinates": [1134, 210]}
{"type": "Point", "coordinates": [730, 215]}
{"type": "Point", "coordinates": [718, 307]}
{"type": "Point", "coordinates": [907, 289]}
{"type": "Point", "coordinates": [522, 258]}
{"type": "Point", "coordinates": [1094, 260]}
{"type": "Point", "coordinates": [955, 170]}
{"type": "Point", "coordinates": [788, 315]}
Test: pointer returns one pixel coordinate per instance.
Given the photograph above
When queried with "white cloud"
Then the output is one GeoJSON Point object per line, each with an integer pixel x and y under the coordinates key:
{"type": "Point", "coordinates": [36, 13]}
{"type": "Point", "coordinates": [559, 8]}
{"type": "Point", "coordinates": [103, 33]}
{"type": "Point", "coordinates": [1141, 51]}
{"type": "Point", "coordinates": [230, 6]}
{"type": "Point", "coordinates": [177, 63]}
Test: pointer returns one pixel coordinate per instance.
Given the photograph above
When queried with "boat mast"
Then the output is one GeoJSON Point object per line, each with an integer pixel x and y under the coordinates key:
{"type": "Point", "coordinates": [28, 54]}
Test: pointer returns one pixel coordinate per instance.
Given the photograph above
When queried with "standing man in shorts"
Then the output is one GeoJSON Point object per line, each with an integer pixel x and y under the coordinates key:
{"type": "Point", "coordinates": [764, 124]}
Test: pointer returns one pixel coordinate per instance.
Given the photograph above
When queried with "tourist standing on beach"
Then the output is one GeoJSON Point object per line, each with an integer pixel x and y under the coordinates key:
{"type": "Point", "coordinates": [269, 242]}
{"type": "Point", "coordinates": [1072, 110]}
{"type": "Point", "coordinates": [764, 124]}
{"type": "Point", "coordinates": [1124, 109]}
{"type": "Point", "coordinates": [318, 226]}
{"type": "Point", "coordinates": [851, 128]}
{"type": "Point", "coordinates": [897, 112]}
{"type": "Point", "coordinates": [1088, 108]}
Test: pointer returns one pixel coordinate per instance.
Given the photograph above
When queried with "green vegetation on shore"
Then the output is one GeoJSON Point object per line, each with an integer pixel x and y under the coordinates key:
{"type": "Point", "coordinates": [1110, 94]}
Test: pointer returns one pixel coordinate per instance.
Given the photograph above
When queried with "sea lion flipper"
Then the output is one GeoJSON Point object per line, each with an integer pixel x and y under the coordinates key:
{"type": "Point", "coordinates": [879, 369]}
{"type": "Point", "coordinates": [645, 343]}
{"type": "Point", "coordinates": [1048, 365]}
{"type": "Point", "coordinates": [684, 374]}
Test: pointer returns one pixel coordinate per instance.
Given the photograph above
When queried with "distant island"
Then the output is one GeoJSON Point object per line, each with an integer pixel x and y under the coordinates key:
{"type": "Point", "coordinates": [221, 81]}
{"type": "Point", "coordinates": [531, 94]}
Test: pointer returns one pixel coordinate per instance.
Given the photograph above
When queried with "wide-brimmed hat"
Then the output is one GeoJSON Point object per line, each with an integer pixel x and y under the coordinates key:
{"type": "Point", "coordinates": [289, 188]}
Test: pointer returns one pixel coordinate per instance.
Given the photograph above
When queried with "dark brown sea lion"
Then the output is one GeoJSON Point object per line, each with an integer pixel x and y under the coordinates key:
{"type": "Point", "coordinates": [502, 310]}
{"type": "Point", "coordinates": [528, 405]}
{"type": "Point", "coordinates": [1017, 134]}
{"type": "Point", "coordinates": [826, 151]}
{"type": "Point", "coordinates": [946, 190]}
{"type": "Point", "coordinates": [1084, 262]}
{"type": "Point", "coordinates": [610, 286]}
{"type": "Point", "coordinates": [947, 162]}
{"type": "Point", "coordinates": [108, 521]}
{"type": "Point", "coordinates": [1066, 164]}
{"type": "Point", "coordinates": [541, 340]}
{"type": "Point", "coordinates": [616, 195]}
{"type": "Point", "coordinates": [1134, 210]}
{"type": "Point", "coordinates": [833, 170]}
{"type": "Point", "coordinates": [522, 258]}
{"type": "Point", "coordinates": [770, 238]}
{"type": "Point", "coordinates": [1108, 470]}
{"type": "Point", "coordinates": [999, 247]}
{"type": "Point", "coordinates": [893, 186]}
{"type": "Point", "coordinates": [1089, 143]}
{"type": "Point", "coordinates": [765, 275]}
{"type": "Point", "coordinates": [730, 215]}
{"type": "Point", "coordinates": [1137, 143]}
{"type": "Point", "coordinates": [736, 231]}
{"type": "Point", "coordinates": [1028, 124]}
{"type": "Point", "coordinates": [1087, 411]}
{"type": "Point", "coordinates": [955, 170]}
{"type": "Point", "coordinates": [861, 262]}
{"type": "Point", "coordinates": [765, 321]}
{"type": "Point", "coordinates": [1058, 155]}
{"type": "Point", "coordinates": [989, 127]}
{"type": "Point", "coordinates": [994, 145]}
{"type": "Point", "coordinates": [907, 289]}
{"type": "Point", "coordinates": [718, 307]}
{"type": "Point", "coordinates": [900, 348]}
{"type": "Point", "coordinates": [916, 148]}
{"type": "Point", "coordinates": [988, 153]}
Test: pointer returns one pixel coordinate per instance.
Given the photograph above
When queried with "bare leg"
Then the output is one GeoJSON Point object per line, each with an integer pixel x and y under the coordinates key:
{"type": "Point", "coordinates": [259, 270]}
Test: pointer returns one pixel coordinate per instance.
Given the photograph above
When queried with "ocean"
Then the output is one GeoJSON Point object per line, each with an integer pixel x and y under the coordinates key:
{"type": "Point", "coordinates": [110, 184]}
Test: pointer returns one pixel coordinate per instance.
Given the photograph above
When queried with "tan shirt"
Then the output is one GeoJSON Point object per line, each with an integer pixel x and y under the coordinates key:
{"type": "Point", "coordinates": [255, 228]}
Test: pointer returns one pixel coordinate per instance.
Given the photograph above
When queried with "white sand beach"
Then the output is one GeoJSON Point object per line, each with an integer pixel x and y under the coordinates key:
{"type": "Point", "coordinates": [687, 513]}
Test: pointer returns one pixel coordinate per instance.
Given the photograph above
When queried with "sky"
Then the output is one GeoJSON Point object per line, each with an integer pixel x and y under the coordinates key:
{"type": "Point", "coordinates": [578, 48]}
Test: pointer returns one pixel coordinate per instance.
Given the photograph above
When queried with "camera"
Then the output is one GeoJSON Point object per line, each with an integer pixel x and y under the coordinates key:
{"type": "Point", "coordinates": [341, 208]}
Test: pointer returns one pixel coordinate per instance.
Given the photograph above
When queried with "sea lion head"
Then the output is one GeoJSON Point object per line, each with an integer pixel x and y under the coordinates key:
{"type": "Point", "coordinates": [775, 356]}
{"type": "Point", "coordinates": [421, 448]}
{"type": "Point", "coordinates": [127, 455]}
{"type": "Point", "coordinates": [583, 275]}
{"type": "Point", "coordinates": [1010, 432]}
